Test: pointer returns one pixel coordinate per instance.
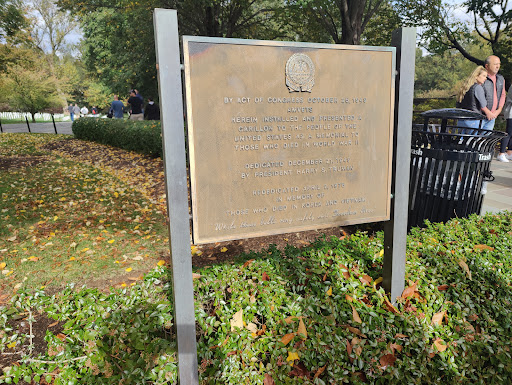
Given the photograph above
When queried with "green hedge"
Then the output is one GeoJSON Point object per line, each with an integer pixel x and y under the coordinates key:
{"type": "Point", "coordinates": [144, 137]}
{"type": "Point", "coordinates": [312, 316]}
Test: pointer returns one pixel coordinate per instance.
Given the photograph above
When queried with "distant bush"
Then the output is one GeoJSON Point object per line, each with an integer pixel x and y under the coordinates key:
{"type": "Point", "coordinates": [427, 104]}
{"type": "Point", "coordinates": [144, 137]}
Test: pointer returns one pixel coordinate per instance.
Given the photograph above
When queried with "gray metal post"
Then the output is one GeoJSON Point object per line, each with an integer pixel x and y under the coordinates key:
{"type": "Point", "coordinates": [395, 230]}
{"type": "Point", "coordinates": [170, 90]}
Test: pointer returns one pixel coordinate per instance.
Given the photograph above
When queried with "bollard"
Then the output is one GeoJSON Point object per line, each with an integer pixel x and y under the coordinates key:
{"type": "Point", "coordinates": [28, 125]}
{"type": "Point", "coordinates": [54, 126]}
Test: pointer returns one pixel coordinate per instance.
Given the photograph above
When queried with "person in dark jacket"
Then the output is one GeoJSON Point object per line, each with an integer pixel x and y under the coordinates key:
{"type": "Point", "coordinates": [151, 112]}
{"type": "Point", "coordinates": [471, 96]}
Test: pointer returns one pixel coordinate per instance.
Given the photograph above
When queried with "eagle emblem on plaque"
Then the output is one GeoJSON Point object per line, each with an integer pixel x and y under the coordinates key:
{"type": "Point", "coordinates": [300, 73]}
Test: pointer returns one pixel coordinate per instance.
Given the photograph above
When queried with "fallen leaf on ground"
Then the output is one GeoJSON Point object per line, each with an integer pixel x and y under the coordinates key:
{"type": "Point", "coordinates": [365, 279]}
{"type": "Point", "coordinates": [409, 291]}
{"type": "Point", "coordinates": [355, 315]}
{"type": "Point", "coordinates": [355, 330]}
{"type": "Point", "coordinates": [440, 345]}
{"type": "Point", "coordinates": [387, 360]}
{"type": "Point", "coordinates": [302, 329]}
{"type": "Point", "coordinates": [237, 320]}
{"type": "Point", "coordinates": [483, 247]}
{"type": "Point", "coordinates": [268, 380]}
{"type": "Point", "coordinates": [319, 371]}
{"type": "Point", "coordinates": [466, 268]}
{"type": "Point", "coordinates": [252, 327]}
{"type": "Point", "coordinates": [437, 319]}
{"type": "Point", "coordinates": [287, 338]}
{"type": "Point", "coordinates": [291, 318]}
{"type": "Point", "coordinates": [389, 306]}
{"type": "Point", "coordinates": [292, 356]}
{"type": "Point", "coordinates": [247, 263]}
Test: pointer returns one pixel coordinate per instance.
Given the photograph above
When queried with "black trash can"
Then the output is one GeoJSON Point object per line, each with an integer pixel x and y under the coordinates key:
{"type": "Point", "coordinates": [449, 166]}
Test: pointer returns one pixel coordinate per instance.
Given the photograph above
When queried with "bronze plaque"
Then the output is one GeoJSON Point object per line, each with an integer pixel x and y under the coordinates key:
{"type": "Point", "coordinates": [287, 137]}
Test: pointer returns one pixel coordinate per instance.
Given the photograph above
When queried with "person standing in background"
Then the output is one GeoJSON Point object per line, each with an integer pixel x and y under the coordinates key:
{"type": "Point", "coordinates": [152, 111]}
{"type": "Point", "coordinates": [137, 94]}
{"type": "Point", "coordinates": [71, 112]}
{"type": "Point", "coordinates": [136, 106]}
{"type": "Point", "coordinates": [505, 154]}
{"type": "Point", "coordinates": [494, 87]}
{"type": "Point", "coordinates": [471, 96]}
{"type": "Point", "coordinates": [117, 107]}
{"type": "Point", "coordinates": [76, 110]}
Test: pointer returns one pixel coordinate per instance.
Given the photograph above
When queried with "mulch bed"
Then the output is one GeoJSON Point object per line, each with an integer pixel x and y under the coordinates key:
{"type": "Point", "coordinates": [11, 162]}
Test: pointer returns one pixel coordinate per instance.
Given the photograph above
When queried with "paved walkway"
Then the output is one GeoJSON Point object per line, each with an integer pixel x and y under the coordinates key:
{"type": "Point", "coordinates": [499, 192]}
{"type": "Point", "coordinates": [39, 128]}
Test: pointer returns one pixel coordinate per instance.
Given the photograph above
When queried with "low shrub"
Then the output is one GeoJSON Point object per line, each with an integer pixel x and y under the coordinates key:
{"type": "Point", "coordinates": [144, 137]}
{"type": "Point", "coordinates": [316, 315]}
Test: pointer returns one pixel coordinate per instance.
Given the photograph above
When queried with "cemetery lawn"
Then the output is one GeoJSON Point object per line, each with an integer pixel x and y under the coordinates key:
{"type": "Point", "coordinates": [65, 221]}
{"type": "Point", "coordinates": [76, 213]}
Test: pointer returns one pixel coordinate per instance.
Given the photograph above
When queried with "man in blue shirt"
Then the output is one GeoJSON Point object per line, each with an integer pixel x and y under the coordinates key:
{"type": "Point", "coordinates": [117, 107]}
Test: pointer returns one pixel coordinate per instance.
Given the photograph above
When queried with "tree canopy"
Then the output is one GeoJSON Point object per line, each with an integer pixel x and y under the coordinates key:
{"type": "Point", "coordinates": [118, 44]}
{"type": "Point", "coordinates": [11, 18]}
{"type": "Point", "coordinates": [26, 84]}
{"type": "Point", "coordinates": [456, 25]}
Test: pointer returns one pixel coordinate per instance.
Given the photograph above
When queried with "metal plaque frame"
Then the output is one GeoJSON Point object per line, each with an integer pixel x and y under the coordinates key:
{"type": "Point", "coordinates": [206, 202]}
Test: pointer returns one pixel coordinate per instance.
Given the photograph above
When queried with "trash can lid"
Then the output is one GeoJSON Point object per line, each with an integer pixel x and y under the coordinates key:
{"type": "Point", "coordinates": [453, 113]}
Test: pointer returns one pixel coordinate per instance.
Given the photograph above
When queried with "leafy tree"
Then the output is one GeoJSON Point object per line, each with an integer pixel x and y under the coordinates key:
{"type": "Point", "coordinates": [11, 18]}
{"type": "Point", "coordinates": [447, 24]}
{"type": "Point", "coordinates": [440, 74]}
{"type": "Point", "coordinates": [51, 26]}
{"type": "Point", "coordinates": [217, 18]}
{"type": "Point", "coordinates": [96, 94]}
{"type": "Point", "coordinates": [30, 89]}
{"type": "Point", "coordinates": [118, 46]}
{"type": "Point", "coordinates": [380, 27]}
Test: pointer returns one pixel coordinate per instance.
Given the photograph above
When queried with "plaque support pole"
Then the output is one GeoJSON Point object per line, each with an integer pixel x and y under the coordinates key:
{"type": "Point", "coordinates": [173, 136]}
{"type": "Point", "coordinates": [395, 230]}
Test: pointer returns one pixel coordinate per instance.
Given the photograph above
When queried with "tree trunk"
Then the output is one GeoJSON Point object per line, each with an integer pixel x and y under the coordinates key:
{"type": "Point", "coordinates": [352, 21]}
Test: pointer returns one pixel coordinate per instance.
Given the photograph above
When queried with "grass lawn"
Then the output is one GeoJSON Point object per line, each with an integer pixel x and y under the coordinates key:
{"type": "Point", "coordinates": [310, 315]}
{"type": "Point", "coordinates": [69, 222]}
